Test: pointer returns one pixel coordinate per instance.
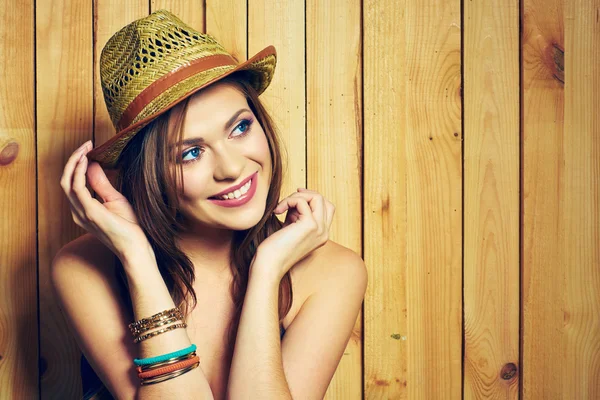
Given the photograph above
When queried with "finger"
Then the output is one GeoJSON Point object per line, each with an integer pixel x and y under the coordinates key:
{"type": "Point", "coordinates": [81, 192]}
{"type": "Point", "coordinates": [302, 206]}
{"type": "Point", "coordinates": [330, 212]}
{"type": "Point", "coordinates": [100, 183]}
{"type": "Point", "coordinates": [317, 204]}
{"type": "Point", "coordinates": [66, 179]}
{"type": "Point", "coordinates": [75, 203]}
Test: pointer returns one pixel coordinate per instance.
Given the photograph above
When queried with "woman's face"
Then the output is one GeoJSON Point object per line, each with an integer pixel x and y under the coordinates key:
{"type": "Point", "coordinates": [224, 146]}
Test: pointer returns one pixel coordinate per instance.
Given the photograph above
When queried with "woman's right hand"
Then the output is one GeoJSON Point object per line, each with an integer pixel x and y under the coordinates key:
{"type": "Point", "coordinates": [113, 222]}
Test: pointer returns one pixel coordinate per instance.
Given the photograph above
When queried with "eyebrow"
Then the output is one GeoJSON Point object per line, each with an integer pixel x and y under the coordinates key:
{"type": "Point", "coordinates": [195, 140]}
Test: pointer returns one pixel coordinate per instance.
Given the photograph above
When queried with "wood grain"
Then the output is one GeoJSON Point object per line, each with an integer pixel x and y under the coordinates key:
{"type": "Point", "coordinates": [385, 309]}
{"type": "Point", "coordinates": [189, 11]}
{"type": "Point", "coordinates": [334, 143]}
{"type": "Point", "coordinates": [491, 200]}
{"type": "Point", "coordinates": [433, 198]}
{"type": "Point", "coordinates": [561, 218]}
{"type": "Point", "coordinates": [227, 21]}
{"type": "Point", "coordinates": [64, 77]}
{"type": "Point", "coordinates": [18, 273]}
{"type": "Point", "coordinates": [282, 24]}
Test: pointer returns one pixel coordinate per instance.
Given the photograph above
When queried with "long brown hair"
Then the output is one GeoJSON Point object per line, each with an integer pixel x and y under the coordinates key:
{"type": "Point", "coordinates": [146, 178]}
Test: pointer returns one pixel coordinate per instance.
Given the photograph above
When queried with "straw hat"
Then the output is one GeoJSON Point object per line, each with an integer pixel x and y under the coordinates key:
{"type": "Point", "coordinates": [156, 62]}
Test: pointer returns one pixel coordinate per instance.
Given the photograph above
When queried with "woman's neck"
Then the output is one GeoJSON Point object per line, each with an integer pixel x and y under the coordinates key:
{"type": "Point", "coordinates": [210, 252]}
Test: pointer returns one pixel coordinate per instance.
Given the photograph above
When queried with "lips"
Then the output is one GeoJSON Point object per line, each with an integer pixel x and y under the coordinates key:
{"type": "Point", "coordinates": [233, 188]}
{"type": "Point", "coordinates": [240, 201]}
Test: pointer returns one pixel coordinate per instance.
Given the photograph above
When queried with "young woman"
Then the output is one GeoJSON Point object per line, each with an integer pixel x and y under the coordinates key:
{"type": "Point", "coordinates": [186, 264]}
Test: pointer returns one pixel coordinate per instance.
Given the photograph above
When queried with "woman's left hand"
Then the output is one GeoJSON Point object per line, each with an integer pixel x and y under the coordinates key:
{"type": "Point", "coordinates": [306, 228]}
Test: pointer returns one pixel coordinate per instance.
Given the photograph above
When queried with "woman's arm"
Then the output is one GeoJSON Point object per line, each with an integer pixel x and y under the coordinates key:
{"type": "Point", "coordinates": [149, 296]}
{"type": "Point", "coordinates": [257, 368]}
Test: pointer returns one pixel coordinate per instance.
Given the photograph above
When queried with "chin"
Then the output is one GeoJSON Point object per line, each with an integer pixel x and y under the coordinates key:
{"type": "Point", "coordinates": [244, 221]}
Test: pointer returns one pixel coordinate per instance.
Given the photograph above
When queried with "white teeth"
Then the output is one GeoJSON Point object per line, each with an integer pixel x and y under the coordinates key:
{"type": "Point", "coordinates": [238, 193]}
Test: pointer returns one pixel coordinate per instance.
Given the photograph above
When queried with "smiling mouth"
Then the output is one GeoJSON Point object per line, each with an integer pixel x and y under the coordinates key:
{"type": "Point", "coordinates": [236, 194]}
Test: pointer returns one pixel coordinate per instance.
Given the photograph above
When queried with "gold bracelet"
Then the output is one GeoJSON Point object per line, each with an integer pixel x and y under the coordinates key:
{"type": "Point", "coordinates": [168, 376]}
{"type": "Point", "coordinates": [156, 318]}
{"type": "Point", "coordinates": [152, 334]}
{"type": "Point", "coordinates": [136, 332]}
{"type": "Point", "coordinates": [170, 361]}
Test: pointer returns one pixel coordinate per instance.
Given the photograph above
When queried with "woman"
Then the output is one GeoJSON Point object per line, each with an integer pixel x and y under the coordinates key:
{"type": "Point", "coordinates": [203, 269]}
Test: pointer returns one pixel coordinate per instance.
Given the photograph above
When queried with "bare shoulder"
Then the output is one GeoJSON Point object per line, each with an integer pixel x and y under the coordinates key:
{"type": "Point", "coordinates": [90, 251]}
{"type": "Point", "coordinates": [86, 289]}
{"type": "Point", "coordinates": [327, 268]}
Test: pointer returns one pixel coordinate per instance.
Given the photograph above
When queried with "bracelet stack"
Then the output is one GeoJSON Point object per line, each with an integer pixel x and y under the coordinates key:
{"type": "Point", "coordinates": [167, 366]}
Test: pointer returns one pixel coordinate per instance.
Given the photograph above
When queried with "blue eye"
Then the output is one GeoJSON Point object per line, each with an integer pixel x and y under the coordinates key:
{"type": "Point", "coordinates": [245, 122]}
{"type": "Point", "coordinates": [196, 151]}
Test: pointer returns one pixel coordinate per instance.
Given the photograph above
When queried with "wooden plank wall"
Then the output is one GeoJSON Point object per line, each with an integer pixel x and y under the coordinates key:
{"type": "Point", "coordinates": [459, 140]}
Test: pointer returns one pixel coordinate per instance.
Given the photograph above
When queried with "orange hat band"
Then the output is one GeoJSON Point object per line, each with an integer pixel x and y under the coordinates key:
{"type": "Point", "coordinates": [157, 87]}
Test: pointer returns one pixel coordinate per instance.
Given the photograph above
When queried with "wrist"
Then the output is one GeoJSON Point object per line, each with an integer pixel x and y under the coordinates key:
{"type": "Point", "coordinates": [267, 270]}
{"type": "Point", "coordinates": [139, 260]}
{"type": "Point", "coordinates": [135, 252]}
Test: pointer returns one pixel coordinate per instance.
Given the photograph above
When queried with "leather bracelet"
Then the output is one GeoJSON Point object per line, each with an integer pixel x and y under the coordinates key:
{"type": "Point", "coordinates": [168, 369]}
{"type": "Point", "coordinates": [168, 376]}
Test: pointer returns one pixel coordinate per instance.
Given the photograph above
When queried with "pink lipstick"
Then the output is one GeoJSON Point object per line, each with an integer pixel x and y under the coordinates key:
{"type": "Point", "coordinates": [243, 199]}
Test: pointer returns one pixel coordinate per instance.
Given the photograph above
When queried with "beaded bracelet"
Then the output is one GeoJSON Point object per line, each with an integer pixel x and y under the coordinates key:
{"type": "Point", "coordinates": [152, 334]}
{"type": "Point", "coordinates": [168, 376]}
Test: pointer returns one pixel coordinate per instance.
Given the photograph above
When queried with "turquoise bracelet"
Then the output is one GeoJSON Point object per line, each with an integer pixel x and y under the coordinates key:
{"type": "Point", "coordinates": [146, 361]}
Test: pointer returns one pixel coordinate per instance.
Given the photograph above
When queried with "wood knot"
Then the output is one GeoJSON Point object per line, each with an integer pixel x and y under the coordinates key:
{"type": "Point", "coordinates": [9, 153]}
{"type": "Point", "coordinates": [555, 59]}
{"type": "Point", "coordinates": [508, 371]}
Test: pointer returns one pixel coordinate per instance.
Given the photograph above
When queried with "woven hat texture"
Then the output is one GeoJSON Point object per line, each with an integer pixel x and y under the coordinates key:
{"type": "Point", "coordinates": [154, 63]}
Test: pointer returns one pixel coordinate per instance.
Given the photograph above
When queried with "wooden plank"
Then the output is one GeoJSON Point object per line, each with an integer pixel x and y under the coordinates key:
{"type": "Point", "coordinates": [433, 199]}
{"type": "Point", "coordinates": [334, 143]}
{"type": "Point", "coordinates": [543, 116]}
{"type": "Point", "coordinates": [579, 207]}
{"type": "Point", "coordinates": [227, 21]}
{"type": "Point", "coordinates": [65, 120]}
{"type": "Point", "coordinates": [189, 11]}
{"type": "Point", "coordinates": [385, 307]}
{"type": "Point", "coordinates": [18, 280]}
{"type": "Point", "coordinates": [561, 225]}
{"type": "Point", "coordinates": [281, 24]}
{"type": "Point", "coordinates": [491, 200]}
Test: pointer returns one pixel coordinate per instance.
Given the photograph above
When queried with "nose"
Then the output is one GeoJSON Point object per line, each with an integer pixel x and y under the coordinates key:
{"type": "Point", "coordinates": [229, 163]}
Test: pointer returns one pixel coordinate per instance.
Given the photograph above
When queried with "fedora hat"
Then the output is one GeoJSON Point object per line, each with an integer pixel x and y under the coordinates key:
{"type": "Point", "coordinates": [154, 63]}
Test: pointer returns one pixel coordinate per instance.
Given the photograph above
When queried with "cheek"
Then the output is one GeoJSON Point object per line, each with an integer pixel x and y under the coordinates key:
{"type": "Point", "coordinates": [261, 150]}
{"type": "Point", "coordinates": [195, 180]}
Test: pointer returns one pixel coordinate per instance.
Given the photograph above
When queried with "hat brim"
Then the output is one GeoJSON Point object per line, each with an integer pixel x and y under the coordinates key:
{"type": "Point", "coordinates": [261, 65]}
